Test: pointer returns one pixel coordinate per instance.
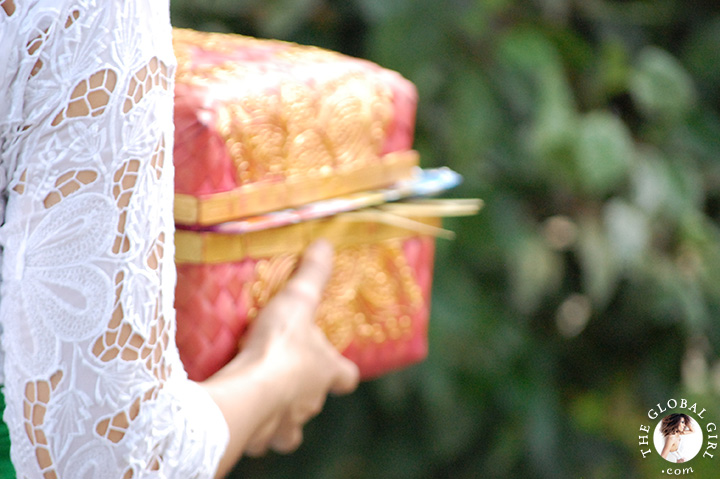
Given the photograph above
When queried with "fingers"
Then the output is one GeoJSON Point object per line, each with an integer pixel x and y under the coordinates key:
{"type": "Point", "coordinates": [312, 275]}
{"type": "Point", "coordinates": [256, 450]}
{"type": "Point", "coordinates": [311, 367]}
{"type": "Point", "coordinates": [299, 298]}
{"type": "Point", "coordinates": [287, 440]}
{"type": "Point", "coordinates": [307, 284]}
{"type": "Point", "coordinates": [284, 434]}
{"type": "Point", "coordinates": [347, 379]}
{"type": "Point", "coordinates": [289, 434]}
{"type": "Point", "coordinates": [283, 442]}
{"type": "Point", "coordinates": [260, 441]}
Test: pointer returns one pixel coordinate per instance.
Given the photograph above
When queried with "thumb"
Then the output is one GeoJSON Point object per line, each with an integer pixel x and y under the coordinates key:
{"type": "Point", "coordinates": [309, 280]}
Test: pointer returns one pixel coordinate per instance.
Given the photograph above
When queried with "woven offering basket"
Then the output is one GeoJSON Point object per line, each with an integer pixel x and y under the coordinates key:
{"type": "Point", "coordinates": [276, 145]}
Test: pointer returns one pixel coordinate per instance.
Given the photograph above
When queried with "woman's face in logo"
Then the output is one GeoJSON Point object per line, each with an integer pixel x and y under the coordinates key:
{"type": "Point", "coordinates": [681, 425]}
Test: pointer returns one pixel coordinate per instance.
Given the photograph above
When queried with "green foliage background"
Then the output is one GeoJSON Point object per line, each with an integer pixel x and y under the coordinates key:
{"type": "Point", "coordinates": [588, 289]}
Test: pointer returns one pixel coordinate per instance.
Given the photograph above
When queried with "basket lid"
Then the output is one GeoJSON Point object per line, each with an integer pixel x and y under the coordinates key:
{"type": "Point", "coordinates": [262, 125]}
{"type": "Point", "coordinates": [423, 183]}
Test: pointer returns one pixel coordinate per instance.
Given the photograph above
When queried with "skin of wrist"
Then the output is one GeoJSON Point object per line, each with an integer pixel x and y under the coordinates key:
{"type": "Point", "coordinates": [257, 376]}
{"type": "Point", "coordinates": [248, 383]}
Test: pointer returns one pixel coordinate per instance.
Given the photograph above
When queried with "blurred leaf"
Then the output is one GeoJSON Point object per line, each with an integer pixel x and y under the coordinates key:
{"type": "Point", "coordinates": [604, 152]}
{"type": "Point", "coordinates": [686, 187]}
{"type": "Point", "coordinates": [536, 271]}
{"type": "Point", "coordinates": [528, 50]}
{"type": "Point", "coordinates": [628, 230]}
{"type": "Point", "coordinates": [651, 182]}
{"type": "Point", "coordinates": [665, 188]}
{"type": "Point", "coordinates": [613, 70]}
{"type": "Point", "coordinates": [535, 78]}
{"type": "Point", "coordinates": [598, 260]}
{"type": "Point", "coordinates": [660, 86]}
{"type": "Point", "coordinates": [589, 410]}
{"type": "Point", "coordinates": [573, 49]}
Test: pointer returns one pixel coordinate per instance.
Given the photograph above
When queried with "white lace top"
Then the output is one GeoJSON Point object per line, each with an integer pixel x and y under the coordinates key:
{"type": "Point", "coordinates": [93, 383]}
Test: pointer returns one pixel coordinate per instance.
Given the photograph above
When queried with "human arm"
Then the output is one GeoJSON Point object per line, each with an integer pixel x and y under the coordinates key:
{"type": "Point", "coordinates": [94, 385]}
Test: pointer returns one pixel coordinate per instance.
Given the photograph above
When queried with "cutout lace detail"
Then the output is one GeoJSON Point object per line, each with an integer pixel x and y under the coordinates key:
{"type": "Point", "coordinates": [93, 382]}
{"type": "Point", "coordinates": [125, 180]}
{"type": "Point", "coordinates": [90, 96]}
{"type": "Point", "coordinates": [36, 401]}
{"type": "Point", "coordinates": [8, 6]}
{"type": "Point", "coordinates": [69, 183]}
{"type": "Point", "coordinates": [154, 74]}
{"type": "Point", "coordinates": [20, 186]}
{"type": "Point", "coordinates": [33, 46]}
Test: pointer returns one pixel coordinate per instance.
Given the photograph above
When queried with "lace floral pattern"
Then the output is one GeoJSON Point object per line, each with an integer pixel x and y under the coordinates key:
{"type": "Point", "coordinates": [93, 383]}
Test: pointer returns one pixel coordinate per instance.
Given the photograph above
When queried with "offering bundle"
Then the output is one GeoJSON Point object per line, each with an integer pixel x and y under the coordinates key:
{"type": "Point", "coordinates": [278, 144]}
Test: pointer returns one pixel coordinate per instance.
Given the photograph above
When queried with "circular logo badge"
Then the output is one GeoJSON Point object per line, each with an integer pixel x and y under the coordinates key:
{"type": "Point", "coordinates": [678, 438]}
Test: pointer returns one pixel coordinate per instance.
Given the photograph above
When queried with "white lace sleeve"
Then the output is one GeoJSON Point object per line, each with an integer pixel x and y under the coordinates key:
{"type": "Point", "coordinates": [93, 383]}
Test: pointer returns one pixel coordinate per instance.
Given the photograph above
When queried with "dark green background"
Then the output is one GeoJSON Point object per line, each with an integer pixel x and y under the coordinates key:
{"type": "Point", "coordinates": [588, 289]}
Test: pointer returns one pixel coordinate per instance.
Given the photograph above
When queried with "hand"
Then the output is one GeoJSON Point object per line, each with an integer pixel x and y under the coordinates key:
{"type": "Point", "coordinates": [285, 338]}
{"type": "Point", "coordinates": [285, 370]}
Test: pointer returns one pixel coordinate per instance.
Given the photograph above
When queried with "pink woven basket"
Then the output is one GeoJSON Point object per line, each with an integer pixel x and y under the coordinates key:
{"type": "Point", "coordinates": [263, 126]}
